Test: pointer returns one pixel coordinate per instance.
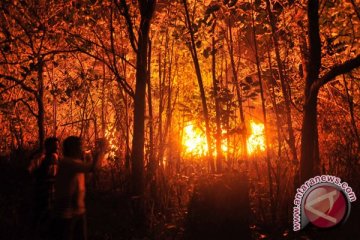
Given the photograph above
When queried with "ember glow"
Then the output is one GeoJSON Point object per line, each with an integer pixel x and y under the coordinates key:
{"type": "Point", "coordinates": [256, 141]}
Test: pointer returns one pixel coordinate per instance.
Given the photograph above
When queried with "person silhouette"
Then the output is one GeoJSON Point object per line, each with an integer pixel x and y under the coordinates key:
{"type": "Point", "coordinates": [70, 189]}
{"type": "Point", "coordinates": [44, 170]}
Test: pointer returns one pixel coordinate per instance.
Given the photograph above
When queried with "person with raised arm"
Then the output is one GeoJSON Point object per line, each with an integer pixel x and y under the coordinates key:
{"type": "Point", "coordinates": [70, 207]}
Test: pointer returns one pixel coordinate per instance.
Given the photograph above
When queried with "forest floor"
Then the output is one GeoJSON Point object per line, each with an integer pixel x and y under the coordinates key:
{"type": "Point", "coordinates": [109, 216]}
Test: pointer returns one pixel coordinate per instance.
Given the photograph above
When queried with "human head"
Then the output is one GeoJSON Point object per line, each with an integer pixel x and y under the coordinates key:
{"type": "Point", "coordinates": [51, 145]}
{"type": "Point", "coordinates": [72, 147]}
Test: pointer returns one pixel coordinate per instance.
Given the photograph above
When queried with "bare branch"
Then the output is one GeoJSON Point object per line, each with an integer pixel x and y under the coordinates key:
{"type": "Point", "coordinates": [338, 70]}
{"type": "Point", "coordinates": [29, 107]}
{"type": "Point", "coordinates": [119, 78]}
{"type": "Point", "coordinates": [19, 82]}
{"type": "Point", "coordinates": [124, 10]}
{"type": "Point", "coordinates": [54, 52]}
{"type": "Point", "coordinates": [102, 46]}
{"type": "Point", "coordinates": [8, 88]}
{"type": "Point", "coordinates": [13, 63]}
{"type": "Point", "coordinates": [356, 8]}
{"type": "Point", "coordinates": [78, 121]}
{"type": "Point", "coordinates": [125, 85]}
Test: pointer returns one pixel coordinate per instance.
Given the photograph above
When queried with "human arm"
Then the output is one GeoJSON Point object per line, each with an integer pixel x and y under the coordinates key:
{"type": "Point", "coordinates": [35, 162]}
{"type": "Point", "coordinates": [77, 165]}
{"type": "Point", "coordinates": [52, 171]}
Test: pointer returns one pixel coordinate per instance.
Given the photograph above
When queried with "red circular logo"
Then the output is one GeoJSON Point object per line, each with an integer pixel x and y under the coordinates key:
{"type": "Point", "coordinates": [325, 206]}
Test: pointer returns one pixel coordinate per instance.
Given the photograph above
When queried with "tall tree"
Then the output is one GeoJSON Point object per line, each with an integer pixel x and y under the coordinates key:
{"type": "Point", "coordinates": [218, 138]}
{"type": "Point", "coordinates": [31, 40]}
{"type": "Point", "coordinates": [284, 87]}
{"type": "Point", "coordinates": [262, 96]}
{"type": "Point", "coordinates": [314, 80]}
{"type": "Point", "coordinates": [141, 47]}
{"type": "Point", "coordinates": [195, 58]}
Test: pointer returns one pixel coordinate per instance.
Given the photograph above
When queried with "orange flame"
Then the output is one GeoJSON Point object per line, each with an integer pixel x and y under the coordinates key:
{"type": "Point", "coordinates": [195, 143]}
{"type": "Point", "coordinates": [256, 142]}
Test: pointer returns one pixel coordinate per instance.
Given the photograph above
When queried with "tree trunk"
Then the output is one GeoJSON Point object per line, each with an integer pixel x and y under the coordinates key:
{"type": "Point", "coordinates": [309, 147]}
{"type": "Point", "coordinates": [201, 88]}
{"type": "Point", "coordinates": [103, 101]}
{"type": "Point", "coordinates": [167, 129]}
{"type": "Point", "coordinates": [291, 140]}
{"type": "Point", "coordinates": [137, 153]}
{"type": "Point", "coordinates": [152, 161]}
{"type": "Point", "coordinates": [352, 116]}
{"type": "Point", "coordinates": [310, 160]}
{"type": "Point", "coordinates": [40, 103]}
{"type": "Point", "coordinates": [162, 78]}
{"type": "Point", "coordinates": [276, 110]}
{"type": "Point", "coordinates": [219, 155]}
{"type": "Point", "coordinates": [127, 136]}
{"type": "Point", "coordinates": [238, 90]}
{"type": "Point", "coordinates": [309, 140]}
{"type": "Point", "coordinates": [271, 192]}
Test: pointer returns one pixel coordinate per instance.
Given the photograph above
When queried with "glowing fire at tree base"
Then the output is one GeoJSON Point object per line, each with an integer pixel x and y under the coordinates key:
{"type": "Point", "coordinates": [194, 141]}
{"type": "Point", "coordinates": [256, 141]}
{"type": "Point", "coordinates": [195, 144]}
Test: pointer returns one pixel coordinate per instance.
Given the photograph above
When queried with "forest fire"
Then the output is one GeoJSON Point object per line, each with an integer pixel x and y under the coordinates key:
{"type": "Point", "coordinates": [195, 144]}
{"type": "Point", "coordinates": [256, 141]}
{"type": "Point", "coordinates": [194, 141]}
{"type": "Point", "coordinates": [188, 119]}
